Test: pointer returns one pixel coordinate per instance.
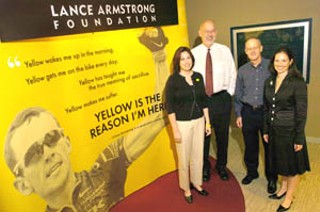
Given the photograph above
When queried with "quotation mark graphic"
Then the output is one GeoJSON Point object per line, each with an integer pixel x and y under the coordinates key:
{"type": "Point", "coordinates": [13, 62]}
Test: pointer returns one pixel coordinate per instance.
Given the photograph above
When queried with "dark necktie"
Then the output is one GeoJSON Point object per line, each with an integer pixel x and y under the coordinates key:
{"type": "Point", "coordinates": [209, 82]}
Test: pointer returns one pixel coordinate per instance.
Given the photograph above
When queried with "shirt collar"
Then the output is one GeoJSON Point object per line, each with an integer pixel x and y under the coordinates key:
{"type": "Point", "coordinates": [211, 47]}
{"type": "Point", "coordinates": [256, 67]}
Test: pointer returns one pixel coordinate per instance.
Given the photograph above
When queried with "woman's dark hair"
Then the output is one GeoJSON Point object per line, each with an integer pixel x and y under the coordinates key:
{"type": "Point", "coordinates": [293, 70]}
{"type": "Point", "coordinates": [177, 57]}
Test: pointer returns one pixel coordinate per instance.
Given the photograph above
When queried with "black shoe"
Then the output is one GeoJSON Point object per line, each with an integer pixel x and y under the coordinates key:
{"type": "Point", "coordinates": [275, 196]}
{"type": "Point", "coordinates": [189, 199]}
{"type": "Point", "coordinates": [202, 192]}
{"type": "Point", "coordinates": [248, 179]}
{"type": "Point", "coordinates": [281, 208]}
{"type": "Point", "coordinates": [272, 186]}
{"type": "Point", "coordinates": [222, 172]}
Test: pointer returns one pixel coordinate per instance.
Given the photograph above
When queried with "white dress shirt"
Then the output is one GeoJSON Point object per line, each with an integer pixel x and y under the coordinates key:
{"type": "Point", "coordinates": [224, 69]}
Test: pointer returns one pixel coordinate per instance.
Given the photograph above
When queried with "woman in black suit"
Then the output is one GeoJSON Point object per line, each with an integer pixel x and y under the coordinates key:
{"type": "Point", "coordinates": [285, 113]}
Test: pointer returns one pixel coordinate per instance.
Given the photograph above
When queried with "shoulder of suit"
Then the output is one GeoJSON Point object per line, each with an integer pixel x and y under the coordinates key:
{"type": "Point", "coordinates": [298, 79]}
{"type": "Point", "coordinates": [197, 76]}
{"type": "Point", "coordinates": [196, 73]}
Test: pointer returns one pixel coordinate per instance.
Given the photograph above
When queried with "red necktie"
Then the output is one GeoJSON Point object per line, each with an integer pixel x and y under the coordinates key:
{"type": "Point", "coordinates": [209, 82]}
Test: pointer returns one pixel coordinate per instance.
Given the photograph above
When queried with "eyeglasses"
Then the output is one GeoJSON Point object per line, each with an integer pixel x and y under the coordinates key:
{"type": "Point", "coordinates": [35, 151]}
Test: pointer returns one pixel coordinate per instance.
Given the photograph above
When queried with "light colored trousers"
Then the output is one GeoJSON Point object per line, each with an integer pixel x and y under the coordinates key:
{"type": "Point", "coordinates": [190, 152]}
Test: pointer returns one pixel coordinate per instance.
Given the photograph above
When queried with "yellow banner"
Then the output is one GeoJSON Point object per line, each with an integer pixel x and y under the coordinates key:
{"type": "Point", "coordinates": [82, 117]}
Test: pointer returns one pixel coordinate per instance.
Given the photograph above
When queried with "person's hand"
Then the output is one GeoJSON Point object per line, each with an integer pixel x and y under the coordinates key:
{"type": "Point", "coordinates": [298, 147]}
{"type": "Point", "coordinates": [266, 138]}
{"type": "Point", "coordinates": [177, 136]}
{"type": "Point", "coordinates": [208, 129]}
{"type": "Point", "coordinates": [239, 122]}
{"type": "Point", "coordinates": [177, 139]}
{"type": "Point", "coordinates": [153, 38]}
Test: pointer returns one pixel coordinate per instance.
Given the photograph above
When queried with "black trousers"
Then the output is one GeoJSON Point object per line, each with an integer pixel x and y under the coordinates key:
{"type": "Point", "coordinates": [252, 120]}
{"type": "Point", "coordinates": [219, 112]}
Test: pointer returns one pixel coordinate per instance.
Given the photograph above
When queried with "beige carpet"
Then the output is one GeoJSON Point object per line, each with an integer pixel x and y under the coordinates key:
{"type": "Point", "coordinates": [307, 197]}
